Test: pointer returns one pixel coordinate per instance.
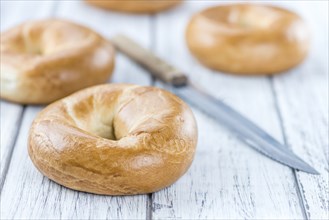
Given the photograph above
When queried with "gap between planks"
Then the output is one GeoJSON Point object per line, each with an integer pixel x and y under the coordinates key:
{"type": "Point", "coordinates": [284, 137]}
{"type": "Point", "coordinates": [11, 149]}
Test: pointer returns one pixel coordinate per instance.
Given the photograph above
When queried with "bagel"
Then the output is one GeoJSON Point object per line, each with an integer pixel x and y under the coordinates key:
{"type": "Point", "coordinates": [133, 6]}
{"type": "Point", "coordinates": [42, 61]}
{"type": "Point", "coordinates": [114, 139]}
{"type": "Point", "coordinates": [248, 38]}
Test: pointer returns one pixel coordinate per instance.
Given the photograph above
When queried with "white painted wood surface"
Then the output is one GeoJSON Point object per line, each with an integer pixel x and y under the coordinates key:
{"type": "Point", "coordinates": [227, 179]}
{"type": "Point", "coordinates": [305, 116]}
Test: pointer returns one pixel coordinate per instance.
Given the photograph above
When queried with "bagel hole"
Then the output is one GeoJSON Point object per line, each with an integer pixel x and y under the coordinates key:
{"type": "Point", "coordinates": [102, 127]}
{"type": "Point", "coordinates": [93, 116]}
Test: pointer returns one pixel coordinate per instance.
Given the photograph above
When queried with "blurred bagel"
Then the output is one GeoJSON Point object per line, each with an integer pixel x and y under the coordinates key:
{"type": "Point", "coordinates": [248, 38]}
{"type": "Point", "coordinates": [135, 6]}
{"type": "Point", "coordinates": [42, 61]}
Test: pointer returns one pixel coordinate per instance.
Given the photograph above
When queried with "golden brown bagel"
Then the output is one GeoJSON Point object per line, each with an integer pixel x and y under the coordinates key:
{"type": "Point", "coordinates": [42, 61]}
{"type": "Point", "coordinates": [248, 39]}
{"type": "Point", "coordinates": [114, 139]}
{"type": "Point", "coordinates": [135, 6]}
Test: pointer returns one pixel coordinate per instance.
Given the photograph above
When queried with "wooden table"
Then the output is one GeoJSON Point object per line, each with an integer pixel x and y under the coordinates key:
{"type": "Point", "coordinates": [227, 179]}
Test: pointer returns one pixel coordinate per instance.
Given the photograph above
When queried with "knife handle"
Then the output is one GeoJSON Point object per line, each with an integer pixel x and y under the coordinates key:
{"type": "Point", "coordinates": [157, 67]}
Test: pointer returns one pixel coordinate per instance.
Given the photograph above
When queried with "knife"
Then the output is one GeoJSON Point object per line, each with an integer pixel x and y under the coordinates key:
{"type": "Point", "coordinates": [179, 84]}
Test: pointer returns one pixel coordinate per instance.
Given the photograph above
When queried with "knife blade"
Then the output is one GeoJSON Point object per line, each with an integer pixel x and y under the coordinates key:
{"type": "Point", "coordinates": [178, 83]}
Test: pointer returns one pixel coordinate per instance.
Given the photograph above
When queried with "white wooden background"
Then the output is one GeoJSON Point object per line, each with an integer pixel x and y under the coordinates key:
{"type": "Point", "coordinates": [227, 178]}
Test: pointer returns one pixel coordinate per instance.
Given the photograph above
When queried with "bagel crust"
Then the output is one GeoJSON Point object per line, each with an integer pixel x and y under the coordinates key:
{"type": "Point", "coordinates": [116, 139]}
{"type": "Point", "coordinates": [133, 6]}
{"type": "Point", "coordinates": [248, 38]}
{"type": "Point", "coordinates": [42, 61]}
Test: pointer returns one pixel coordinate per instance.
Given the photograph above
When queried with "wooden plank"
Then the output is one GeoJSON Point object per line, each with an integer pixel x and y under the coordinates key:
{"type": "Point", "coordinates": [36, 197]}
{"type": "Point", "coordinates": [13, 13]}
{"type": "Point", "coordinates": [228, 179]}
{"type": "Point", "coordinates": [302, 97]}
{"type": "Point", "coordinates": [10, 119]}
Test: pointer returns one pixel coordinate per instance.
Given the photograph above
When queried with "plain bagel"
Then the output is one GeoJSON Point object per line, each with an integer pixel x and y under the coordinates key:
{"type": "Point", "coordinates": [42, 61]}
{"type": "Point", "coordinates": [133, 6]}
{"type": "Point", "coordinates": [114, 139]}
{"type": "Point", "coordinates": [248, 38]}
